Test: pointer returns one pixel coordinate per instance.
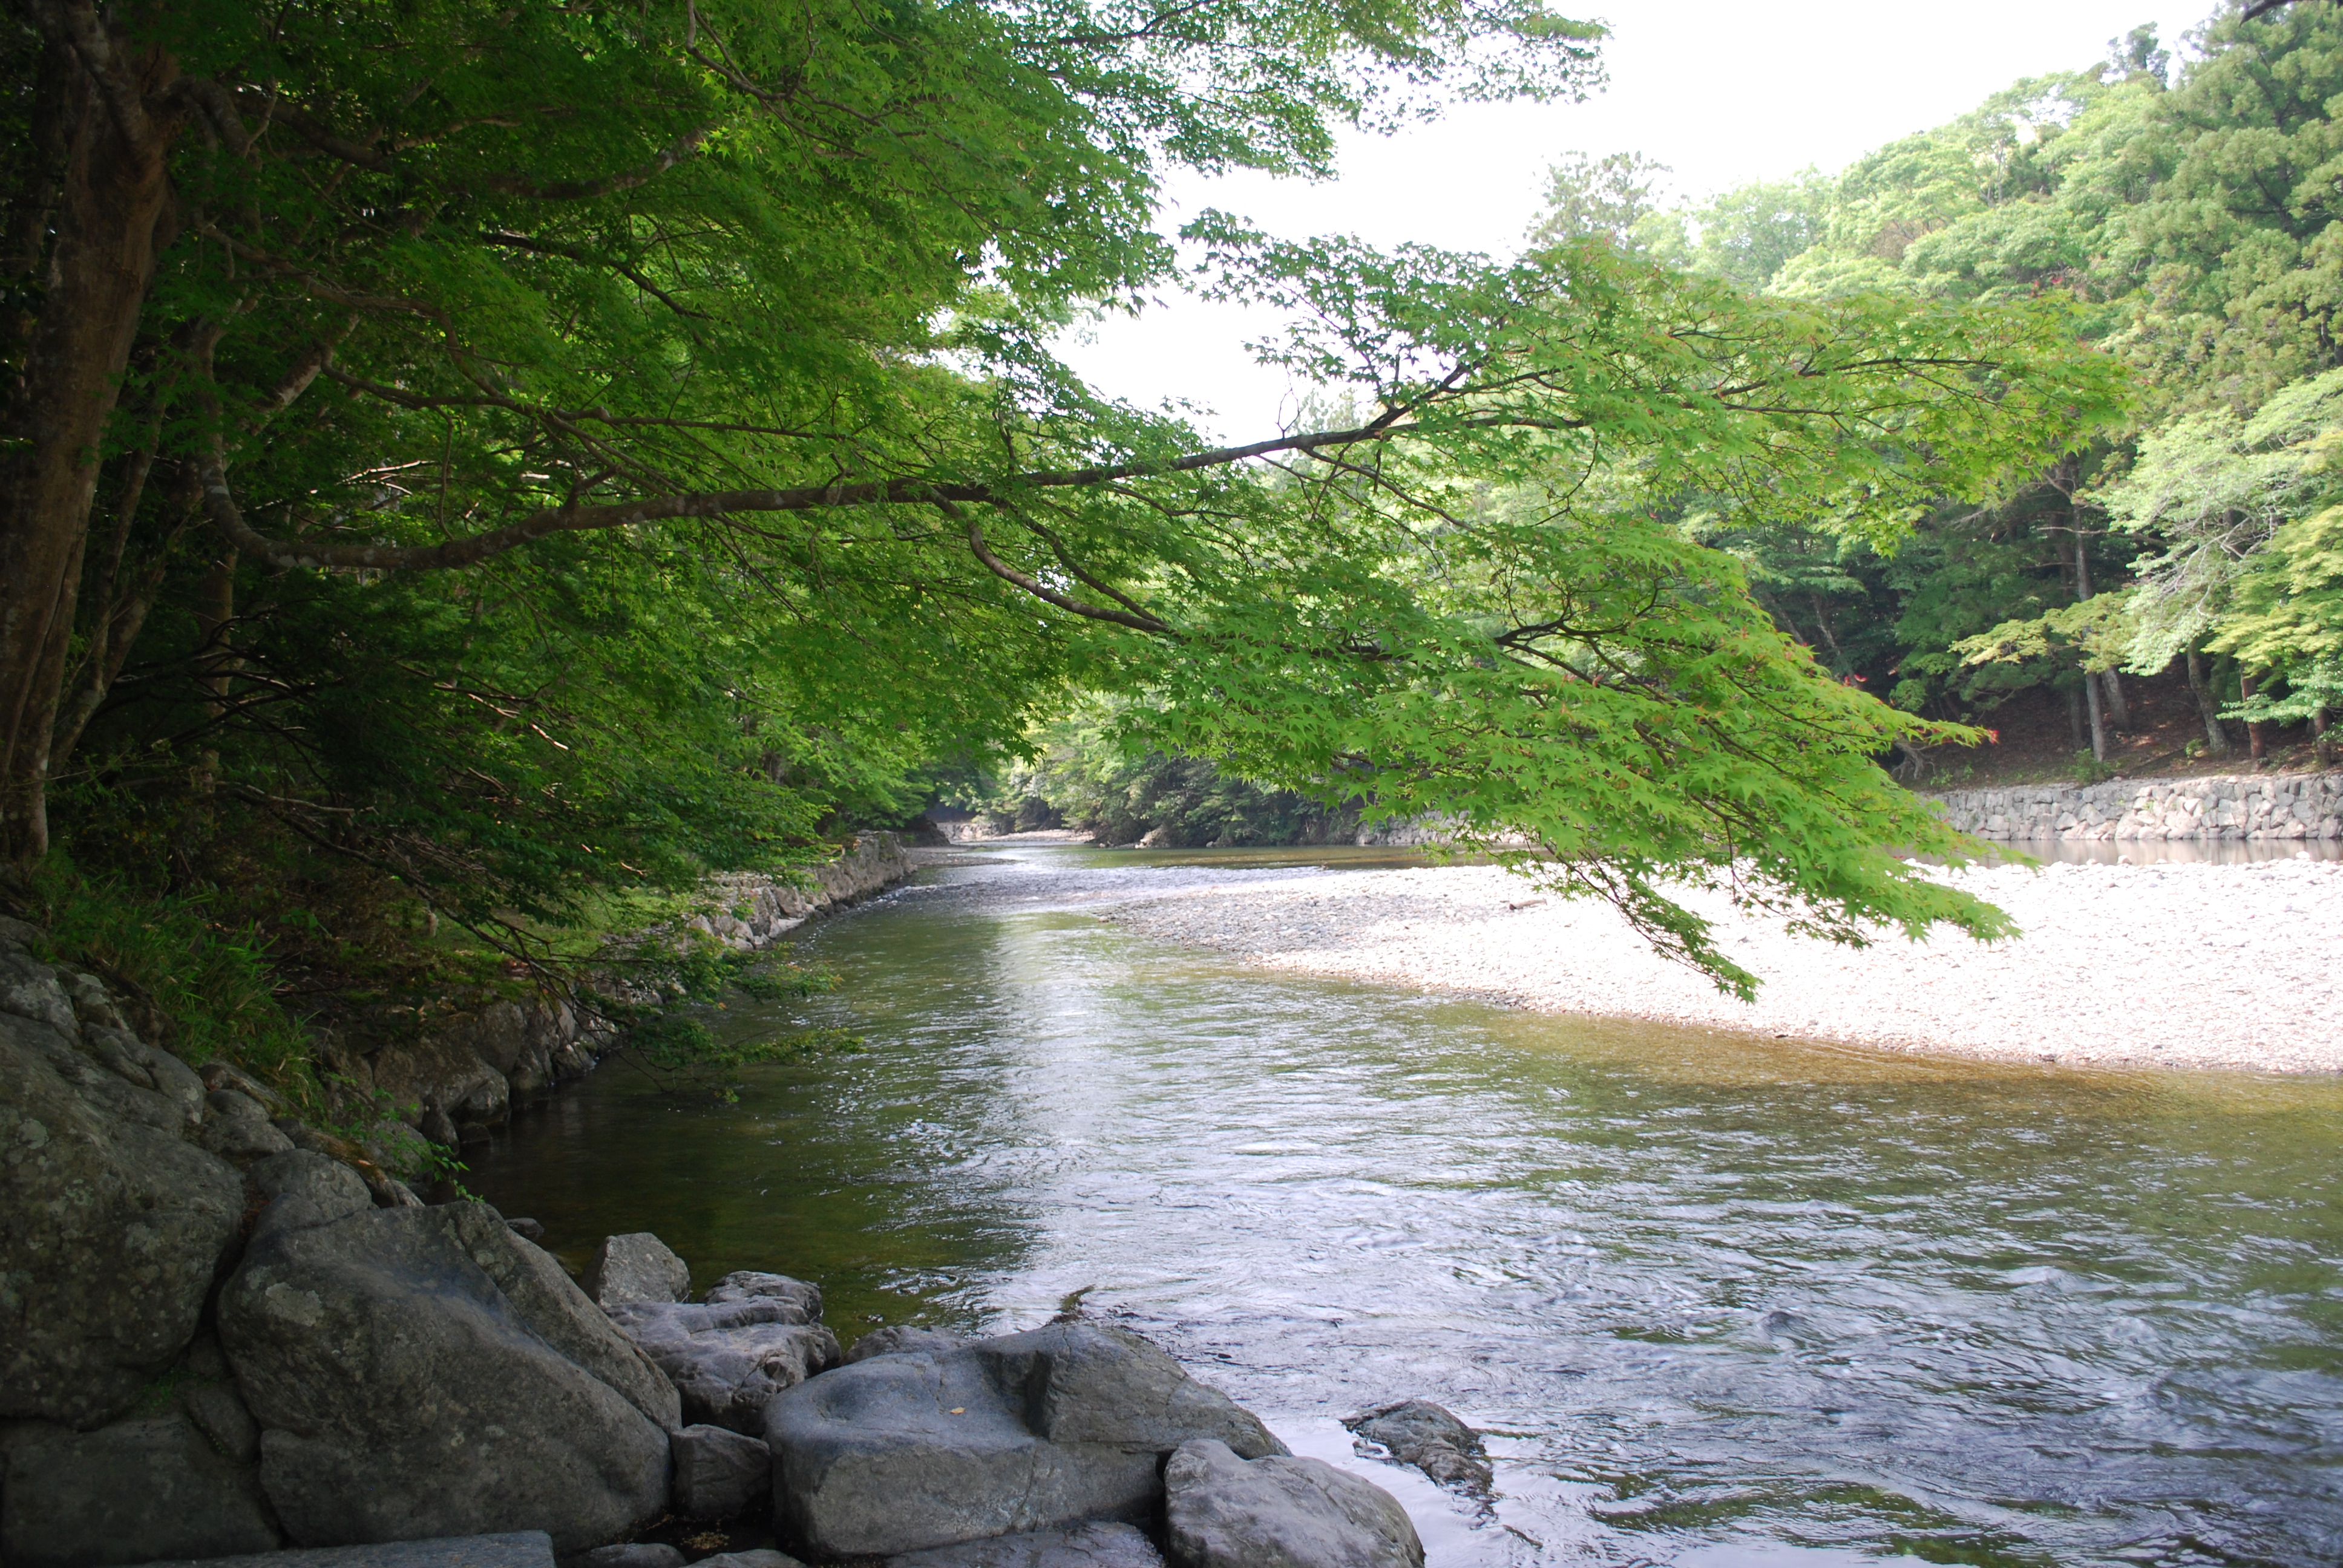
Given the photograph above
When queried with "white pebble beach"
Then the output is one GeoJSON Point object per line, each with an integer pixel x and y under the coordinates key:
{"type": "Point", "coordinates": [2176, 965]}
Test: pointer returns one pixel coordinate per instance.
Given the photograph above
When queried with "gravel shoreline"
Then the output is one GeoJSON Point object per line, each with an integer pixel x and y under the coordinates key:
{"type": "Point", "coordinates": [2172, 965]}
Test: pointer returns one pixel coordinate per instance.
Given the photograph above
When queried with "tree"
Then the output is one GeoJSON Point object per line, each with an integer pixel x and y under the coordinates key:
{"type": "Point", "coordinates": [469, 340]}
{"type": "Point", "coordinates": [662, 254]}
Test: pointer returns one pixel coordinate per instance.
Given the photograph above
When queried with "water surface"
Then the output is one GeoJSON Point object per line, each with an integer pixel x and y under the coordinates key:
{"type": "Point", "coordinates": [1720, 1301]}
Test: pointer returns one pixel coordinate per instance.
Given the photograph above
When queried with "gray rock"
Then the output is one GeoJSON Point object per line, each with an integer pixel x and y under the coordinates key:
{"type": "Point", "coordinates": [31, 990]}
{"type": "Point", "coordinates": [426, 1373]}
{"type": "Point", "coordinates": [729, 1359]}
{"type": "Point", "coordinates": [132, 1060]}
{"type": "Point", "coordinates": [719, 1474]}
{"type": "Point", "coordinates": [1223, 1511]}
{"type": "Point", "coordinates": [760, 1557]}
{"type": "Point", "coordinates": [303, 1189]}
{"type": "Point", "coordinates": [1094, 1545]}
{"type": "Point", "coordinates": [637, 1267]}
{"type": "Point", "coordinates": [628, 1554]}
{"type": "Point", "coordinates": [522, 1548]}
{"type": "Point", "coordinates": [221, 1417]}
{"type": "Point", "coordinates": [1031, 1431]}
{"type": "Point", "coordinates": [238, 1128]}
{"type": "Point", "coordinates": [219, 1075]}
{"type": "Point", "coordinates": [1419, 1433]}
{"type": "Point", "coordinates": [527, 1230]}
{"type": "Point", "coordinates": [899, 1340]}
{"type": "Point", "coordinates": [140, 1489]}
{"type": "Point", "coordinates": [114, 1231]}
{"type": "Point", "coordinates": [747, 1285]}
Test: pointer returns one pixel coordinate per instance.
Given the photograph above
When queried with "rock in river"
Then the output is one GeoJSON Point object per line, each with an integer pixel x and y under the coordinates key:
{"type": "Point", "coordinates": [1280, 1511]}
{"type": "Point", "coordinates": [1029, 1432]}
{"type": "Point", "coordinates": [1419, 1433]}
{"type": "Point", "coordinates": [424, 1372]}
{"type": "Point", "coordinates": [636, 1267]}
{"type": "Point", "coordinates": [756, 1335]}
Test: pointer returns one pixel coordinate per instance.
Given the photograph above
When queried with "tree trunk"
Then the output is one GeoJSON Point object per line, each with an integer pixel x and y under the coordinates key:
{"type": "Point", "coordinates": [2321, 747]}
{"type": "Point", "coordinates": [2256, 744]}
{"type": "Point", "coordinates": [2118, 710]}
{"type": "Point", "coordinates": [2074, 729]}
{"type": "Point", "coordinates": [2209, 707]}
{"type": "Point", "coordinates": [2102, 685]}
{"type": "Point", "coordinates": [112, 200]}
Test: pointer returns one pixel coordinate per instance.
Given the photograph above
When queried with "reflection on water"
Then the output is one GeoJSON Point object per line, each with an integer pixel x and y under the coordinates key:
{"type": "Point", "coordinates": [1721, 1303]}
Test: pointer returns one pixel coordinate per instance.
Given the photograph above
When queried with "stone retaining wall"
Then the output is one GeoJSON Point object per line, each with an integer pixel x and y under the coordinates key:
{"type": "Point", "coordinates": [462, 1077]}
{"type": "Point", "coordinates": [2295, 806]}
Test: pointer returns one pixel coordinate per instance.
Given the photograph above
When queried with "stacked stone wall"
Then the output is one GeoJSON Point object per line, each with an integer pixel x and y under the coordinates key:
{"type": "Point", "coordinates": [2225, 808]}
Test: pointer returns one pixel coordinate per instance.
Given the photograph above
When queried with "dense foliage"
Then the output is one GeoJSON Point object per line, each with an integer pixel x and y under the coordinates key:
{"type": "Point", "coordinates": [556, 453]}
{"type": "Point", "coordinates": [2191, 212]}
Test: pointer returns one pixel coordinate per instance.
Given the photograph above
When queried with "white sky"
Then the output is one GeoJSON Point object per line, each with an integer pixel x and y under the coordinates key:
{"type": "Point", "coordinates": [1721, 93]}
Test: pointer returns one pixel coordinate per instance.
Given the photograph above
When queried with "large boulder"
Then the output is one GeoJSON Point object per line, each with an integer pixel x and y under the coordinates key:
{"type": "Point", "coordinates": [756, 1335]}
{"type": "Point", "coordinates": [1419, 1433]}
{"type": "Point", "coordinates": [1221, 1510]}
{"type": "Point", "coordinates": [151, 1487]}
{"type": "Point", "coordinates": [424, 1372]}
{"type": "Point", "coordinates": [116, 1225]}
{"type": "Point", "coordinates": [637, 1267]}
{"type": "Point", "coordinates": [905, 1451]}
{"type": "Point", "coordinates": [1095, 1545]}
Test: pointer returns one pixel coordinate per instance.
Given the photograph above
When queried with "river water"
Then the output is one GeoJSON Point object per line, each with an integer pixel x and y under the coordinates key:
{"type": "Point", "coordinates": [1718, 1302]}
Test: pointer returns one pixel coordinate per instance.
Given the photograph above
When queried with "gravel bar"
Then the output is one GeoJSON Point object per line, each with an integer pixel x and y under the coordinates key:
{"type": "Point", "coordinates": [2174, 965]}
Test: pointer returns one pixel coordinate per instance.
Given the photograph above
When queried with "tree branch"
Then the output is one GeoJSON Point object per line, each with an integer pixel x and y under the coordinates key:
{"type": "Point", "coordinates": [1039, 589]}
{"type": "Point", "coordinates": [220, 504]}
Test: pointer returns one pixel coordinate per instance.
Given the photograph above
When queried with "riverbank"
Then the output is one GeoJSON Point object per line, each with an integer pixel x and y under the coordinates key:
{"type": "Point", "coordinates": [2170, 965]}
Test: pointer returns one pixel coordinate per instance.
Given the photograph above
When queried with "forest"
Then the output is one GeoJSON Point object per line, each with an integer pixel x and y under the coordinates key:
{"type": "Point", "coordinates": [2185, 209]}
{"type": "Point", "coordinates": [477, 472]}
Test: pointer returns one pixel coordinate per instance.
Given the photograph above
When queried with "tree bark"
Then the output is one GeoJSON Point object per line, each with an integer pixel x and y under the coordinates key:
{"type": "Point", "coordinates": [2208, 707]}
{"type": "Point", "coordinates": [2256, 743]}
{"type": "Point", "coordinates": [112, 200]}
{"type": "Point", "coordinates": [2119, 709]}
{"type": "Point", "coordinates": [2102, 684]}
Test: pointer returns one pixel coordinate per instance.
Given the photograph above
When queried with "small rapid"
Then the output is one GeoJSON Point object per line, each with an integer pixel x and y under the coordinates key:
{"type": "Point", "coordinates": [1717, 1300]}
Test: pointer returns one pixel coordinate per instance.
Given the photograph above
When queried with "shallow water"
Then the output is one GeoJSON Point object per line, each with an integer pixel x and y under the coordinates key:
{"type": "Point", "coordinates": [1721, 1303]}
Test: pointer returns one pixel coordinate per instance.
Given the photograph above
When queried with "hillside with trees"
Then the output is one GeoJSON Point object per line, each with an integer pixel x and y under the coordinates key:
{"type": "Point", "coordinates": [2163, 598]}
{"type": "Point", "coordinates": [2187, 211]}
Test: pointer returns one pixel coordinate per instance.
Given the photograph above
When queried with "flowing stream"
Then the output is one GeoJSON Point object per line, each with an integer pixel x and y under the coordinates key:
{"type": "Point", "coordinates": [1717, 1301]}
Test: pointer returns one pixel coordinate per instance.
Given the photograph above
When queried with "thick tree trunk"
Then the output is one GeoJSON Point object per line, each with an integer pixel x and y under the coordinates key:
{"type": "Point", "coordinates": [2209, 707]}
{"type": "Point", "coordinates": [2098, 717]}
{"type": "Point", "coordinates": [2256, 743]}
{"type": "Point", "coordinates": [113, 198]}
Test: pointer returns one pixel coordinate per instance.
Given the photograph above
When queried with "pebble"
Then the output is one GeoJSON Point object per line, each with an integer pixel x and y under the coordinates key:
{"type": "Point", "coordinates": [2179, 965]}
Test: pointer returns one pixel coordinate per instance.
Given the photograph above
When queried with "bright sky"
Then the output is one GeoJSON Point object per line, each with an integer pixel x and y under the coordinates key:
{"type": "Point", "coordinates": [1721, 93]}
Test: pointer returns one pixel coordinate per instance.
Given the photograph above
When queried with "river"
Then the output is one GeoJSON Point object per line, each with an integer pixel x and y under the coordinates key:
{"type": "Point", "coordinates": [1718, 1302]}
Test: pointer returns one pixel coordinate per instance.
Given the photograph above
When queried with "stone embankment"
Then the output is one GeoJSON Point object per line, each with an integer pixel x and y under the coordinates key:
{"type": "Point", "coordinates": [462, 1077]}
{"type": "Point", "coordinates": [225, 1334]}
{"type": "Point", "coordinates": [2229, 807]}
